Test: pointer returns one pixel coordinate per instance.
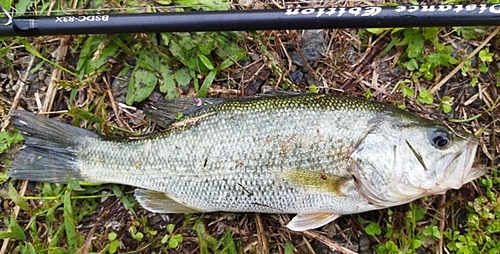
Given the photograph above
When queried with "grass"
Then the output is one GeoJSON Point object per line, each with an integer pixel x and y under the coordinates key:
{"type": "Point", "coordinates": [101, 82]}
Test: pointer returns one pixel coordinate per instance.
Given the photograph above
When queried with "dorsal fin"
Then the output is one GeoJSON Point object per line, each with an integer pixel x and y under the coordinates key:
{"type": "Point", "coordinates": [165, 113]}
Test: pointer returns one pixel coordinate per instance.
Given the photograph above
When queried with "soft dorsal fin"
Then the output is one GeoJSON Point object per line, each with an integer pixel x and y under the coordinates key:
{"type": "Point", "coordinates": [160, 202]}
{"type": "Point", "coordinates": [303, 222]}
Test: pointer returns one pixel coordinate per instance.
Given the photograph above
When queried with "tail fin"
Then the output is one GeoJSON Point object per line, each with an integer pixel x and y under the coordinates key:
{"type": "Point", "coordinates": [49, 152]}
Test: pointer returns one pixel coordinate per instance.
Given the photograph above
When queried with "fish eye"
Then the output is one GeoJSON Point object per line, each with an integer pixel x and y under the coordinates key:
{"type": "Point", "coordinates": [440, 138]}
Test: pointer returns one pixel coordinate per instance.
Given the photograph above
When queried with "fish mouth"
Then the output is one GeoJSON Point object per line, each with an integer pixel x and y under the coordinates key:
{"type": "Point", "coordinates": [460, 168]}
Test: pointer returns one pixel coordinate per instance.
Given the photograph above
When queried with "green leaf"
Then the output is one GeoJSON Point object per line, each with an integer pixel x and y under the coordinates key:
{"type": "Point", "coordinates": [425, 96]}
{"type": "Point", "coordinates": [21, 6]}
{"type": "Point", "coordinates": [139, 236]}
{"type": "Point", "coordinates": [29, 249]}
{"type": "Point", "coordinates": [113, 246]}
{"type": "Point", "coordinates": [466, 32]}
{"type": "Point", "coordinates": [313, 88]}
{"type": "Point", "coordinates": [75, 185]}
{"type": "Point", "coordinates": [121, 44]}
{"type": "Point", "coordinates": [170, 228]}
{"type": "Point", "coordinates": [415, 41]}
{"type": "Point", "coordinates": [431, 32]}
{"type": "Point", "coordinates": [69, 222]}
{"type": "Point", "coordinates": [165, 238]}
{"type": "Point", "coordinates": [206, 42]}
{"type": "Point", "coordinates": [7, 4]}
{"type": "Point", "coordinates": [7, 139]}
{"type": "Point", "coordinates": [485, 55]}
{"type": "Point", "coordinates": [483, 68]}
{"type": "Point", "coordinates": [204, 239]}
{"type": "Point", "coordinates": [125, 201]}
{"type": "Point", "coordinates": [474, 81]}
{"type": "Point", "coordinates": [367, 94]}
{"type": "Point", "coordinates": [230, 50]}
{"type": "Point", "coordinates": [432, 231]}
{"type": "Point", "coordinates": [206, 83]}
{"type": "Point", "coordinates": [412, 65]}
{"type": "Point", "coordinates": [184, 50]}
{"type": "Point", "coordinates": [288, 247]}
{"type": "Point", "coordinates": [112, 236]}
{"type": "Point", "coordinates": [175, 240]}
{"type": "Point", "coordinates": [3, 177]}
{"type": "Point", "coordinates": [446, 103]}
{"type": "Point", "coordinates": [416, 243]}
{"type": "Point", "coordinates": [225, 64]}
{"type": "Point", "coordinates": [15, 231]}
{"type": "Point", "coordinates": [17, 199]}
{"type": "Point", "coordinates": [446, 108]}
{"type": "Point", "coordinates": [168, 83]}
{"type": "Point", "coordinates": [373, 229]}
{"type": "Point", "coordinates": [182, 76]}
{"type": "Point", "coordinates": [206, 62]}
{"type": "Point", "coordinates": [110, 50]}
{"type": "Point", "coordinates": [55, 237]}
{"type": "Point", "coordinates": [406, 91]}
{"type": "Point", "coordinates": [141, 85]}
{"type": "Point", "coordinates": [376, 31]}
{"type": "Point", "coordinates": [229, 244]}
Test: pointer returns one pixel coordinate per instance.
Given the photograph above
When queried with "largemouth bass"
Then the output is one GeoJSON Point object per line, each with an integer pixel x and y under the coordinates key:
{"type": "Point", "coordinates": [319, 156]}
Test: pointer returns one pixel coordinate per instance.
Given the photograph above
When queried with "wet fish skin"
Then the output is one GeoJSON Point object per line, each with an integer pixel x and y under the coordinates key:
{"type": "Point", "coordinates": [319, 156]}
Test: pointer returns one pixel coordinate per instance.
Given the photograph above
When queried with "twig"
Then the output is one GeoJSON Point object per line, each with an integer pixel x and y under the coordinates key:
{"type": "Point", "coordinates": [113, 103]}
{"type": "Point", "coordinates": [262, 246]}
{"type": "Point", "coordinates": [438, 86]}
{"type": "Point", "coordinates": [328, 242]}
{"type": "Point", "coordinates": [56, 74]}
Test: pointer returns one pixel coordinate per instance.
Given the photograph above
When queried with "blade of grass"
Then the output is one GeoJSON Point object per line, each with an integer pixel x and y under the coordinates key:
{"type": "Point", "coordinates": [69, 222]}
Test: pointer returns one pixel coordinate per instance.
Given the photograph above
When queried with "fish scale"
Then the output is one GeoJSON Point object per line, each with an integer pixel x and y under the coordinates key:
{"type": "Point", "coordinates": [319, 156]}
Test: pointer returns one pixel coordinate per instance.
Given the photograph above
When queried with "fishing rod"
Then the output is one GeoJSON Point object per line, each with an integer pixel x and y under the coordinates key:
{"type": "Point", "coordinates": [250, 20]}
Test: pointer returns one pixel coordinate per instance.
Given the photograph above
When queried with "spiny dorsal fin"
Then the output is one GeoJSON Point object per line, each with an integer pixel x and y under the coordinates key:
{"type": "Point", "coordinates": [165, 113]}
{"type": "Point", "coordinates": [160, 202]}
{"type": "Point", "coordinates": [303, 222]}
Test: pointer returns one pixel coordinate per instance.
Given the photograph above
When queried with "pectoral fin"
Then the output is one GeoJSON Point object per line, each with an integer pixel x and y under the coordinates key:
{"type": "Point", "coordinates": [315, 182]}
{"type": "Point", "coordinates": [160, 202]}
{"type": "Point", "coordinates": [303, 222]}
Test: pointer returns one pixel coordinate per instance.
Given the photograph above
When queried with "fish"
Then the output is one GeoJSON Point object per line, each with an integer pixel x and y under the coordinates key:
{"type": "Point", "coordinates": [317, 156]}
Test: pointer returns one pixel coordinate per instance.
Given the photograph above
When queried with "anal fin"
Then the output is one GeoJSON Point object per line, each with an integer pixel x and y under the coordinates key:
{"type": "Point", "coordinates": [303, 222]}
{"type": "Point", "coordinates": [160, 202]}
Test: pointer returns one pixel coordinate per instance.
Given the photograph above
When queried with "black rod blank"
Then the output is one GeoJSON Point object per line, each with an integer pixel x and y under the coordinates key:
{"type": "Point", "coordinates": [250, 20]}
